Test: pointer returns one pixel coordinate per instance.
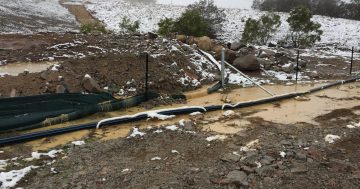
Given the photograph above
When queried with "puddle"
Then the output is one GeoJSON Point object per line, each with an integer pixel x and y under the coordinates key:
{"type": "Point", "coordinates": [15, 69]}
{"type": "Point", "coordinates": [293, 111]}
{"type": "Point", "coordinates": [227, 127]}
{"type": "Point", "coordinates": [284, 112]}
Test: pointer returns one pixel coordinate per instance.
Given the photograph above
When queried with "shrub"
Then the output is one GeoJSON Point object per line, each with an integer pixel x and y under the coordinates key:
{"type": "Point", "coordinates": [191, 23]}
{"type": "Point", "coordinates": [303, 31]}
{"type": "Point", "coordinates": [211, 14]}
{"type": "Point", "coordinates": [166, 26]}
{"type": "Point", "coordinates": [261, 31]}
{"type": "Point", "coordinates": [129, 27]}
{"type": "Point", "coordinates": [200, 19]}
{"type": "Point", "coordinates": [93, 27]}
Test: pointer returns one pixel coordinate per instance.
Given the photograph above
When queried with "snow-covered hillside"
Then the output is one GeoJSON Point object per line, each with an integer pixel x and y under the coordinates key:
{"type": "Point", "coordinates": [26, 16]}
{"type": "Point", "coordinates": [339, 32]}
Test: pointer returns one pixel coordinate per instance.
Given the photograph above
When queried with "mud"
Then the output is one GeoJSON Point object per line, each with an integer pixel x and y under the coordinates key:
{"type": "Point", "coordinates": [313, 110]}
{"type": "Point", "coordinates": [79, 11]}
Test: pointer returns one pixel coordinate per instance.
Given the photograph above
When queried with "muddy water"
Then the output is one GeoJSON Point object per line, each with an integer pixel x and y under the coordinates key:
{"type": "Point", "coordinates": [286, 112]}
{"type": "Point", "coordinates": [15, 69]}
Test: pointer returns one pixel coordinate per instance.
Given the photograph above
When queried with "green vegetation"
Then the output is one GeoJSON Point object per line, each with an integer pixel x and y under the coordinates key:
{"type": "Point", "coordinates": [129, 27]}
{"type": "Point", "coordinates": [93, 27]}
{"type": "Point", "coordinates": [303, 31]}
{"type": "Point", "coordinates": [261, 31]}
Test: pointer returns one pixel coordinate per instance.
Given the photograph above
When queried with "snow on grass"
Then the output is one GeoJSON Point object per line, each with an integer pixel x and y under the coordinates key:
{"type": "Point", "coordinates": [216, 137]}
{"type": "Point", "coordinates": [337, 32]}
{"type": "Point", "coordinates": [27, 16]}
{"type": "Point", "coordinates": [78, 143]}
{"type": "Point", "coordinates": [331, 138]}
{"type": "Point", "coordinates": [136, 132]}
{"type": "Point", "coordinates": [11, 178]}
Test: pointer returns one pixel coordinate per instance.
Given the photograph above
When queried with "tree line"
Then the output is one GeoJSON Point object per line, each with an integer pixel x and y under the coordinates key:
{"type": "Point", "coordinates": [332, 8]}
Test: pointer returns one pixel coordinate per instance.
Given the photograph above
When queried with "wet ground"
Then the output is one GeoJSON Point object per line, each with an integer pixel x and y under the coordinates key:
{"type": "Point", "coordinates": [251, 149]}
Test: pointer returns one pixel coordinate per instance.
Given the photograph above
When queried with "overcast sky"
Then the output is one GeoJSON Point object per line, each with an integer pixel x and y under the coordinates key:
{"type": "Point", "coordinates": [245, 4]}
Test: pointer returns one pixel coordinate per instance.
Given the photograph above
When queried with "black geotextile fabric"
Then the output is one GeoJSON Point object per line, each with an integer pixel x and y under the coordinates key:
{"type": "Point", "coordinates": [24, 111]}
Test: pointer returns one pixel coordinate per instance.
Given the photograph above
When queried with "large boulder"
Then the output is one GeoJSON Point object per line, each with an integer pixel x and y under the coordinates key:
{"type": "Point", "coordinates": [205, 43]}
{"type": "Point", "coordinates": [236, 46]}
{"type": "Point", "coordinates": [181, 38]}
{"type": "Point", "coordinates": [90, 85]}
{"type": "Point", "coordinates": [247, 63]}
{"type": "Point", "coordinates": [230, 55]}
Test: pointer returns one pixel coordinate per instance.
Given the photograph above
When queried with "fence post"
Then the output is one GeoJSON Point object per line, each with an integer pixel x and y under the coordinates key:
{"type": "Point", "coordinates": [146, 75]}
{"type": "Point", "coordinates": [223, 67]}
{"type": "Point", "coordinates": [297, 65]}
{"type": "Point", "coordinates": [351, 61]}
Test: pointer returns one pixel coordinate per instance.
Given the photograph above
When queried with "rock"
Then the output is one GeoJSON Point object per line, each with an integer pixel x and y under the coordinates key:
{"type": "Point", "coordinates": [230, 157]}
{"type": "Point", "coordinates": [60, 89]}
{"type": "Point", "coordinates": [265, 170]}
{"type": "Point", "coordinates": [272, 44]}
{"type": "Point", "coordinates": [288, 68]}
{"type": "Point", "coordinates": [236, 46]}
{"type": "Point", "coordinates": [90, 85]}
{"type": "Point", "coordinates": [14, 93]}
{"type": "Point", "coordinates": [299, 168]}
{"type": "Point", "coordinates": [314, 74]}
{"type": "Point", "coordinates": [191, 40]}
{"type": "Point", "coordinates": [205, 43]}
{"type": "Point", "coordinates": [44, 75]}
{"type": "Point", "coordinates": [300, 156]}
{"type": "Point", "coordinates": [247, 63]}
{"type": "Point", "coordinates": [230, 56]}
{"type": "Point", "coordinates": [189, 125]}
{"type": "Point", "coordinates": [302, 63]}
{"type": "Point", "coordinates": [152, 35]}
{"type": "Point", "coordinates": [246, 51]}
{"type": "Point", "coordinates": [267, 160]}
{"type": "Point", "coordinates": [181, 38]}
{"type": "Point", "coordinates": [238, 177]}
{"type": "Point", "coordinates": [217, 49]}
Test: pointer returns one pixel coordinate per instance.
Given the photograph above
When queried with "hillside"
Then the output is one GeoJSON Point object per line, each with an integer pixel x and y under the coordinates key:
{"type": "Point", "coordinates": [28, 16]}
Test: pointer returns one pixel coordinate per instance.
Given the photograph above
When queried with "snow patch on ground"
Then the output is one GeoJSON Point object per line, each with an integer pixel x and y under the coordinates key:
{"type": "Point", "coordinates": [136, 132]}
{"type": "Point", "coordinates": [353, 125]}
{"type": "Point", "coordinates": [216, 137]}
{"type": "Point", "coordinates": [172, 128]}
{"type": "Point", "coordinates": [11, 178]}
{"type": "Point", "coordinates": [78, 143]}
{"type": "Point", "coordinates": [331, 138]}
